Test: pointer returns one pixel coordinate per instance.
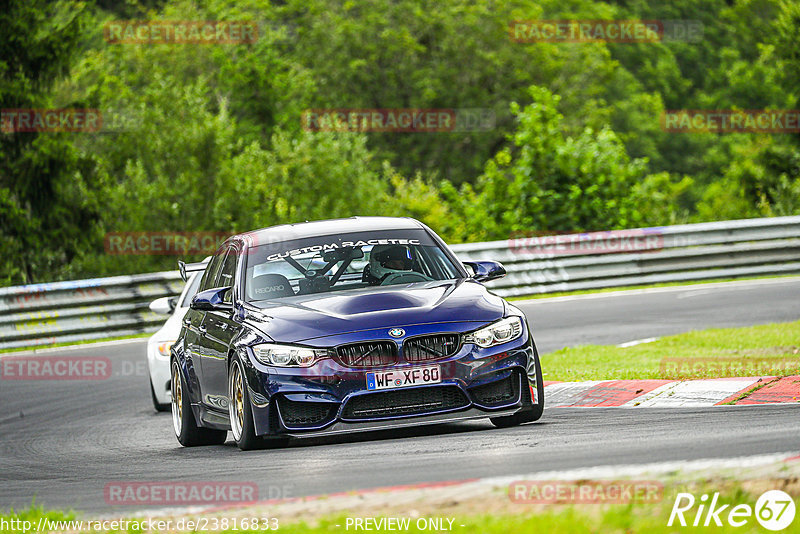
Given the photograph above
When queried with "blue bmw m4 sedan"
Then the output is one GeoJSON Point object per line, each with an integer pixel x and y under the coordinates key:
{"type": "Point", "coordinates": [346, 325]}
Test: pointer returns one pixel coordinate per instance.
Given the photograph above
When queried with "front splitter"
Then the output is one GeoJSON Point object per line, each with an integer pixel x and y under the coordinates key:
{"type": "Point", "coordinates": [343, 428]}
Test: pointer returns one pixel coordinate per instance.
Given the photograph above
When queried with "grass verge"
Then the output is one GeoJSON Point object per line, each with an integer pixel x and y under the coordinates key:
{"type": "Point", "coordinates": [764, 350]}
{"type": "Point", "coordinates": [70, 343]}
{"type": "Point", "coordinates": [511, 517]}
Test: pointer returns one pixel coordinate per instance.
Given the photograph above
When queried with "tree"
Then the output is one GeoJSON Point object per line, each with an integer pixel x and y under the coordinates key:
{"type": "Point", "coordinates": [48, 209]}
{"type": "Point", "coordinates": [547, 181]}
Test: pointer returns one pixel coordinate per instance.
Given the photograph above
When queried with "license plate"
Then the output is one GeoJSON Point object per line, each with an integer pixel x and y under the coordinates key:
{"type": "Point", "coordinates": [400, 378]}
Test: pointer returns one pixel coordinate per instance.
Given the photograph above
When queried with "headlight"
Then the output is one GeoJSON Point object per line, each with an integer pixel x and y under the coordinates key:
{"type": "Point", "coordinates": [163, 348]}
{"type": "Point", "coordinates": [502, 331]}
{"type": "Point", "coordinates": [287, 355]}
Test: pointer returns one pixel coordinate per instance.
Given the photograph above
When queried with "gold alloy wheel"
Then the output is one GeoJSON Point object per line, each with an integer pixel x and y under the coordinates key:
{"type": "Point", "coordinates": [236, 404]}
{"type": "Point", "coordinates": [177, 400]}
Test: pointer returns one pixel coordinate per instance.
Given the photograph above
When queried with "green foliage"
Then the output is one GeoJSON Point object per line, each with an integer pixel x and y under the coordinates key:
{"type": "Point", "coordinates": [761, 180]}
{"type": "Point", "coordinates": [27, 519]}
{"type": "Point", "coordinates": [420, 199]}
{"type": "Point", "coordinates": [547, 181]}
{"type": "Point", "coordinates": [458, 54]}
{"type": "Point", "coordinates": [787, 35]}
{"type": "Point", "coordinates": [307, 177]}
{"type": "Point", "coordinates": [661, 200]}
{"type": "Point", "coordinates": [209, 138]}
{"type": "Point", "coordinates": [48, 188]}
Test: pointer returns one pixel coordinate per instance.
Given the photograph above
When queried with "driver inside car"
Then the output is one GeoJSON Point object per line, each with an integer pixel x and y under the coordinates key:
{"type": "Point", "coordinates": [386, 260]}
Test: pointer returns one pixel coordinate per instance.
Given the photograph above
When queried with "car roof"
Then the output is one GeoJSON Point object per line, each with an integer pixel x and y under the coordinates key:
{"type": "Point", "coordinates": [286, 232]}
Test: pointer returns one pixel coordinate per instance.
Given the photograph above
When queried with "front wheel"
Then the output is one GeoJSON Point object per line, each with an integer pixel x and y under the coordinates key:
{"type": "Point", "coordinates": [532, 412]}
{"type": "Point", "coordinates": [183, 422]}
{"type": "Point", "coordinates": [239, 409]}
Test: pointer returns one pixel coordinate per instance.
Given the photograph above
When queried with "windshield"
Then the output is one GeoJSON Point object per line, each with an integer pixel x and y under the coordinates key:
{"type": "Point", "coordinates": [348, 261]}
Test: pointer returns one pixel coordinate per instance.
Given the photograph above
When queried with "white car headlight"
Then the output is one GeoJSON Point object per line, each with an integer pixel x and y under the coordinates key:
{"type": "Point", "coordinates": [163, 348]}
{"type": "Point", "coordinates": [287, 355]}
{"type": "Point", "coordinates": [502, 331]}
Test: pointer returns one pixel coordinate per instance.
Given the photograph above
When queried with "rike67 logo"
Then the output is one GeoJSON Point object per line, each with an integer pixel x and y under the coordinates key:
{"type": "Point", "coordinates": [774, 510]}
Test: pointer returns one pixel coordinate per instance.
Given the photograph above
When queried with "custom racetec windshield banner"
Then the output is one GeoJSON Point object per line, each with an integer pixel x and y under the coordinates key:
{"type": "Point", "coordinates": [298, 247]}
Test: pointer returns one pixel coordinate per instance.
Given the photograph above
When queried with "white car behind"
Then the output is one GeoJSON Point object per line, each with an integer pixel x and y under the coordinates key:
{"type": "Point", "coordinates": [159, 343]}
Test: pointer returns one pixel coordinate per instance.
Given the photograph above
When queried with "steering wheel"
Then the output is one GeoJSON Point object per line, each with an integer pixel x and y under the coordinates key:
{"type": "Point", "coordinates": [406, 277]}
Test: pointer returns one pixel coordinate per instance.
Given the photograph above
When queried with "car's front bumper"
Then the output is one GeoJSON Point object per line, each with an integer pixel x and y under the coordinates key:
{"type": "Point", "coordinates": [329, 398]}
{"type": "Point", "coordinates": [342, 427]}
{"type": "Point", "coordinates": [158, 369]}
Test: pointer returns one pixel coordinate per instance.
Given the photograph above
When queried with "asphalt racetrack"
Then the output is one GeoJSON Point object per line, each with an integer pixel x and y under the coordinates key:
{"type": "Point", "coordinates": [62, 442]}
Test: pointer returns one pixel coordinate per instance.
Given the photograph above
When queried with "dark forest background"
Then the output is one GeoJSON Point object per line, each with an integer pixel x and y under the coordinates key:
{"type": "Point", "coordinates": [209, 137]}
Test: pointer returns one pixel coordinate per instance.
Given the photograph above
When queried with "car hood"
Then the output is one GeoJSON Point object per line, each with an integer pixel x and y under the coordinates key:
{"type": "Point", "coordinates": [302, 318]}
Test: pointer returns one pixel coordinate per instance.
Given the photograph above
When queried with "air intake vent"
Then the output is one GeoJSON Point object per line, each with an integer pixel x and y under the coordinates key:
{"type": "Point", "coordinates": [368, 355]}
{"type": "Point", "coordinates": [498, 392]}
{"type": "Point", "coordinates": [415, 401]}
{"type": "Point", "coordinates": [305, 414]}
{"type": "Point", "coordinates": [429, 348]}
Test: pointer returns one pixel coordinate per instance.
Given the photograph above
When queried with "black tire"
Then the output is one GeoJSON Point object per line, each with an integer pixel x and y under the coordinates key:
{"type": "Point", "coordinates": [157, 405]}
{"type": "Point", "coordinates": [534, 411]}
{"type": "Point", "coordinates": [239, 409]}
{"type": "Point", "coordinates": [187, 431]}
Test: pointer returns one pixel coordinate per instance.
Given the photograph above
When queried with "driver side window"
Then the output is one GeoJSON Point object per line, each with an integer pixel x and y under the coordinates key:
{"type": "Point", "coordinates": [210, 275]}
{"type": "Point", "coordinates": [228, 272]}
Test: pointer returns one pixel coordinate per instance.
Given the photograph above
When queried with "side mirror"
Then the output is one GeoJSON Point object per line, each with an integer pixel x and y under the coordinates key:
{"type": "Point", "coordinates": [211, 299]}
{"type": "Point", "coordinates": [483, 271]}
{"type": "Point", "coordinates": [163, 306]}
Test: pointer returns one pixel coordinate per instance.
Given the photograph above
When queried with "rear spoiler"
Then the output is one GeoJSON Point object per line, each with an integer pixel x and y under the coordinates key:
{"type": "Point", "coordinates": [186, 268]}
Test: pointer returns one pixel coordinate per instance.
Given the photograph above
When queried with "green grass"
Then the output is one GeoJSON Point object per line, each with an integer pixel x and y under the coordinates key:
{"type": "Point", "coordinates": [12, 522]}
{"type": "Point", "coordinates": [764, 350]}
{"type": "Point", "coordinates": [590, 518]}
{"type": "Point", "coordinates": [647, 286]}
{"type": "Point", "coordinates": [522, 518]}
{"type": "Point", "coordinates": [566, 520]}
{"type": "Point", "coordinates": [70, 343]}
